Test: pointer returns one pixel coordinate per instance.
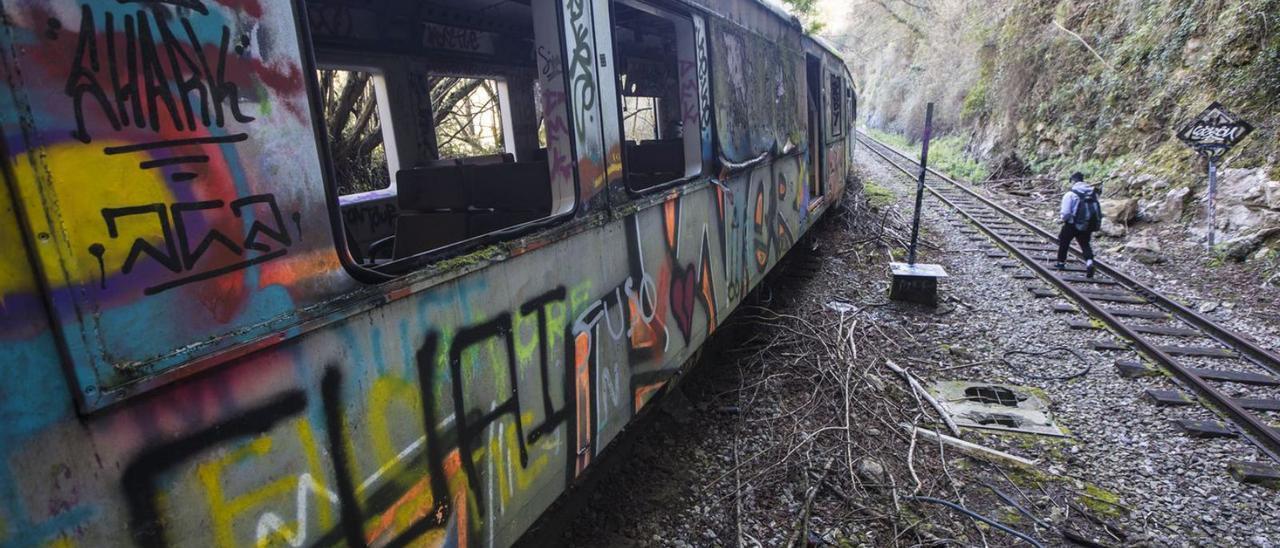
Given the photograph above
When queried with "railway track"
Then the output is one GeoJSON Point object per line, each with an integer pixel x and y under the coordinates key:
{"type": "Point", "coordinates": [1232, 375]}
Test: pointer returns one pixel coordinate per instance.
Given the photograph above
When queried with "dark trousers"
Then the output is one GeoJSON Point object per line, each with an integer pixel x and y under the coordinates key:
{"type": "Point", "coordinates": [1064, 241]}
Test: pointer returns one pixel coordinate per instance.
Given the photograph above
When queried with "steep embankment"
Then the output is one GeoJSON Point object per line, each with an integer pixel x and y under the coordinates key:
{"type": "Point", "coordinates": [1092, 85]}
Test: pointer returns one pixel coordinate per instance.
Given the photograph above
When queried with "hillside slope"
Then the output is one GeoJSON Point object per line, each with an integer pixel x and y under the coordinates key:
{"type": "Point", "coordinates": [1101, 86]}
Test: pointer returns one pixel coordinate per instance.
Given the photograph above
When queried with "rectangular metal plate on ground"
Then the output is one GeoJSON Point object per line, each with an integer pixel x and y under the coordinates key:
{"type": "Point", "coordinates": [1001, 407]}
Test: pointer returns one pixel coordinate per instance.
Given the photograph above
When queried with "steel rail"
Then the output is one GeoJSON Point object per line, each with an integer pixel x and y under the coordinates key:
{"type": "Point", "coordinates": [1257, 354]}
{"type": "Point", "coordinates": [1257, 431]}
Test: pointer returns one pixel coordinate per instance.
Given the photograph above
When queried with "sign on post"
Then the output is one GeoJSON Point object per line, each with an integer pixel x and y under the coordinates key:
{"type": "Point", "coordinates": [1212, 134]}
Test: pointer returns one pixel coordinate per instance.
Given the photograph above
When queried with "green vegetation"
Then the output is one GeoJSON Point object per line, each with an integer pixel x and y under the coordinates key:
{"type": "Point", "coordinates": [946, 154]}
{"type": "Point", "coordinates": [1055, 87]}
{"type": "Point", "coordinates": [877, 196]}
{"type": "Point", "coordinates": [1101, 501]}
{"type": "Point", "coordinates": [807, 11]}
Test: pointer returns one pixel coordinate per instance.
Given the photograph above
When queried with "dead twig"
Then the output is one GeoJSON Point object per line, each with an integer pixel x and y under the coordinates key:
{"type": "Point", "coordinates": [915, 385]}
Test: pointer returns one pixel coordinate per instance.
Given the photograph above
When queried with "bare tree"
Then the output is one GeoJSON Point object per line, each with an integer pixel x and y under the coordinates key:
{"type": "Point", "coordinates": [354, 130]}
{"type": "Point", "coordinates": [464, 110]}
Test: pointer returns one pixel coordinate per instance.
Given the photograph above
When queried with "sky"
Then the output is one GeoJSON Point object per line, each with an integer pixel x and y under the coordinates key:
{"type": "Point", "coordinates": [835, 14]}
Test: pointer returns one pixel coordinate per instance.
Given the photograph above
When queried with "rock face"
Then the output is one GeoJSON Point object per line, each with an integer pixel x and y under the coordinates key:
{"type": "Point", "coordinates": [1248, 202]}
{"type": "Point", "coordinates": [1240, 247]}
{"type": "Point", "coordinates": [1119, 211]}
{"type": "Point", "coordinates": [1145, 250]}
{"type": "Point", "coordinates": [1169, 209]}
{"type": "Point", "coordinates": [1113, 230]}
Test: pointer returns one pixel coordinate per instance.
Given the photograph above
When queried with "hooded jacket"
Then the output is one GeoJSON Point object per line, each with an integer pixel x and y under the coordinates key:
{"type": "Point", "coordinates": [1070, 200]}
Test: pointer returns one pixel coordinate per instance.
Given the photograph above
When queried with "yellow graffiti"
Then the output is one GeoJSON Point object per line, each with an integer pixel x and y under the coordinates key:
{"type": "Point", "coordinates": [312, 451]}
{"type": "Point", "coordinates": [63, 541]}
{"type": "Point", "coordinates": [15, 271]}
{"type": "Point", "coordinates": [70, 189]}
{"type": "Point", "coordinates": [223, 510]}
{"type": "Point", "coordinates": [525, 348]}
{"type": "Point", "coordinates": [385, 391]}
{"type": "Point", "coordinates": [579, 295]}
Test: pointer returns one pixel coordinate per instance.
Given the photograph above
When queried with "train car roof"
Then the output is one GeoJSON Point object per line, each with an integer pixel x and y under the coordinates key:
{"type": "Point", "coordinates": [824, 44]}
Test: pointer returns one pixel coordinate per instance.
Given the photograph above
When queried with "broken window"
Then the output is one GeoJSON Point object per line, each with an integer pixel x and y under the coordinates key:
{"type": "Point", "coordinates": [484, 150]}
{"type": "Point", "coordinates": [467, 115]}
{"type": "Point", "coordinates": [640, 118]}
{"type": "Point", "coordinates": [853, 106]}
{"type": "Point", "coordinates": [357, 140]}
{"type": "Point", "coordinates": [658, 92]}
{"type": "Point", "coordinates": [837, 106]}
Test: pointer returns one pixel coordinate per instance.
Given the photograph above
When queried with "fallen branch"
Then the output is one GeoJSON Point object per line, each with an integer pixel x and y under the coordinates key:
{"type": "Point", "coordinates": [970, 447]}
{"type": "Point", "coordinates": [801, 535]}
{"type": "Point", "coordinates": [915, 385]}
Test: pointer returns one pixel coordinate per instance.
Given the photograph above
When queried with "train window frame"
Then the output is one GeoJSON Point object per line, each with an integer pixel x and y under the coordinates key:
{"type": "Point", "coordinates": [501, 93]}
{"type": "Point", "coordinates": [853, 105]}
{"type": "Point", "coordinates": [685, 27]}
{"type": "Point", "coordinates": [377, 69]}
{"type": "Point", "coordinates": [565, 201]}
{"type": "Point", "coordinates": [835, 107]}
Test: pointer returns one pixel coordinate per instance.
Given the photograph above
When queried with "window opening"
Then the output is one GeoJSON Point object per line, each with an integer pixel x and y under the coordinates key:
{"type": "Point", "coordinates": [640, 118]}
{"type": "Point", "coordinates": [468, 117]}
{"type": "Point", "coordinates": [357, 136]}
{"type": "Point", "coordinates": [480, 112]}
{"type": "Point", "coordinates": [658, 90]}
{"type": "Point", "coordinates": [837, 106]}
{"type": "Point", "coordinates": [853, 108]}
{"type": "Point", "coordinates": [813, 83]}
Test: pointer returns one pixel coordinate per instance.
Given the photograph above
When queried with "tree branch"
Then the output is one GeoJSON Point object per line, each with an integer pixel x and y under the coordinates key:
{"type": "Point", "coordinates": [1086, 44]}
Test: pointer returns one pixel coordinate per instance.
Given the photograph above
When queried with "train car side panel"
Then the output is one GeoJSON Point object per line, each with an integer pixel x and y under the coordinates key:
{"type": "Point", "coordinates": [440, 409]}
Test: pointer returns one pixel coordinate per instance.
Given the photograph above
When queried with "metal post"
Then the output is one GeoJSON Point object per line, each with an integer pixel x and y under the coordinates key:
{"type": "Point", "coordinates": [1213, 194]}
{"type": "Point", "coordinates": [924, 169]}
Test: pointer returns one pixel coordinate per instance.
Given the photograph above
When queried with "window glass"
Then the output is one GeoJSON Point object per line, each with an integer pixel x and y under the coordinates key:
{"type": "Point", "coordinates": [658, 88]}
{"type": "Point", "coordinates": [354, 124]}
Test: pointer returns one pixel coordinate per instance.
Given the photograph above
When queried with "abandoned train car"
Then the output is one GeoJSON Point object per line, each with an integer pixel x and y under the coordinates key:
{"type": "Point", "coordinates": [322, 272]}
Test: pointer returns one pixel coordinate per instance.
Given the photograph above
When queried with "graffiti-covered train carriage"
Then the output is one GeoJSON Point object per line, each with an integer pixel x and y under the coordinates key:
{"type": "Point", "coordinates": [375, 272]}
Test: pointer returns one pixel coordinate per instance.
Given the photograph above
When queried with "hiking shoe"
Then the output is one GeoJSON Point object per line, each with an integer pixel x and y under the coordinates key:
{"type": "Point", "coordinates": [1089, 269]}
{"type": "Point", "coordinates": [1059, 266]}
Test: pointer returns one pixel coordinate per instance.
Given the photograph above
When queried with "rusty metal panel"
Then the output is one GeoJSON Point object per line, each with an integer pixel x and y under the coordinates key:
{"type": "Point", "coordinates": [756, 74]}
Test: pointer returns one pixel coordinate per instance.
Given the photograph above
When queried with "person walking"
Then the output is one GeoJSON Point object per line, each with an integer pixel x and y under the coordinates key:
{"type": "Point", "coordinates": [1081, 216]}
